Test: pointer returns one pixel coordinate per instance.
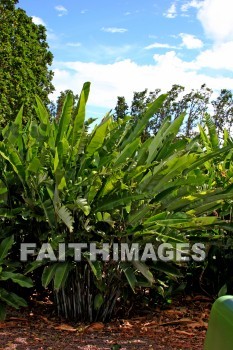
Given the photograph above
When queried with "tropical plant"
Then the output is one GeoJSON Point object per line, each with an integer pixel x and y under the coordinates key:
{"type": "Point", "coordinates": [64, 184]}
{"type": "Point", "coordinates": [8, 272]}
{"type": "Point", "coordinates": [217, 275]}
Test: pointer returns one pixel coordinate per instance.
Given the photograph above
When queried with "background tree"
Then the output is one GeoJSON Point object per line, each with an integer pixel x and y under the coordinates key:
{"type": "Point", "coordinates": [223, 111]}
{"type": "Point", "coordinates": [121, 108]}
{"type": "Point", "coordinates": [195, 104]}
{"type": "Point", "coordinates": [61, 99]}
{"type": "Point", "coordinates": [24, 62]}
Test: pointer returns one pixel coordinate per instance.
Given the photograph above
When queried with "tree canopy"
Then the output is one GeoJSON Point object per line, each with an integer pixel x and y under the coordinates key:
{"type": "Point", "coordinates": [195, 104]}
{"type": "Point", "coordinates": [24, 62]}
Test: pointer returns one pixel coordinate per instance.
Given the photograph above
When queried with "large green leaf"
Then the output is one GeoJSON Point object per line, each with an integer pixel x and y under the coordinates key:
{"type": "Point", "coordinates": [78, 127]}
{"type": "Point", "coordinates": [127, 152]}
{"type": "Point", "coordinates": [144, 269]}
{"type": "Point", "coordinates": [42, 112]}
{"type": "Point", "coordinates": [5, 246]}
{"type": "Point", "coordinates": [129, 273]}
{"type": "Point", "coordinates": [118, 202]}
{"type": "Point", "coordinates": [11, 299]}
{"type": "Point", "coordinates": [143, 121]}
{"type": "Point", "coordinates": [48, 274]}
{"type": "Point", "coordinates": [61, 274]}
{"type": "Point", "coordinates": [64, 121]}
{"type": "Point", "coordinates": [18, 278]}
{"type": "Point", "coordinates": [96, 266]}
{"type": "Point", "coordinates": [165, 135]}
{"type": "Point", "coordinates": [98, 136]}
{"type": "Point", "coordinates": [14, 159]}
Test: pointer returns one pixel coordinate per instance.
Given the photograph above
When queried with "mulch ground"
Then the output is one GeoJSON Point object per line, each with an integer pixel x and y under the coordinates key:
{"type": "Point", "coordinates": [181, 326]}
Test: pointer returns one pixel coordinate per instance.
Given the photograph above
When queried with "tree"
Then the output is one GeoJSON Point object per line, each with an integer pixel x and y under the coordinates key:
{"type": "Point", "coordinates": [223, 111]}
{"type": "Point", "coordinates": [61, 99]}
{"type": "Point", "coordinates": [121, 108]}
{"type": "Point", "coordinates": [24, 61]}
{"type": "Point", "coordinates": [195, 104]}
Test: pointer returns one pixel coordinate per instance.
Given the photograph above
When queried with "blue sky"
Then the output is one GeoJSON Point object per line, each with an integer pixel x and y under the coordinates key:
{"type": "Point", "coordinates": [124, 46]}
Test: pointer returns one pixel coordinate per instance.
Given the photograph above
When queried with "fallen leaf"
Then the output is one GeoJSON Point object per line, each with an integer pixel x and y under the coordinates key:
{"type": "Point", "coordinates": [98, 326]}
{"type": "Point", "coordinates": [65, 327]}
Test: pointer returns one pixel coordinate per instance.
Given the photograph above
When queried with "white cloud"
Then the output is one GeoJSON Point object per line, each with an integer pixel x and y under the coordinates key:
{"type": "Point", "coordinates": [74, 44]}
{"type": "Point", "coordinates": [83, 12]}
{"type": "Point", "coordinates": [38, 20]}
{"type": "Point", "coordinates": [218, 57]}
{"type": "Point", "coordinates": [194, 3]}
{"type": "Point", "coordinates": [61, 10]}
{"type": "Point", "coordinates": [127, 13]}
{"type": "Point", "coordinates": [124, 77]}
{"type": "Point", "coordinates": [114, 30]}
{"type": "Point", "coordinates": [171, 12]}
{"type": "Point", "coordinates": [190, 41]}
{"type": "Point", "coordinates": [159, 46]}
{"type": "Point", "coordinates": [216, 19]}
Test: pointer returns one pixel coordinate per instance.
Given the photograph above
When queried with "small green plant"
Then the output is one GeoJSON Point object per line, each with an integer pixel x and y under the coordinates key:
{"type": "Point", "coordinates": [8, 272]}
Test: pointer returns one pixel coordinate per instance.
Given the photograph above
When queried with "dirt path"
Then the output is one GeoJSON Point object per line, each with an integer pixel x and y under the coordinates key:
{"type": "Point", "coordinates": [183, 326]}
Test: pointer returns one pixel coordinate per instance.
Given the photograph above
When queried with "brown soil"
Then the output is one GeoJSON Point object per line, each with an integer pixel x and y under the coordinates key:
{"type": "Point", "coordinates": [182, 326]}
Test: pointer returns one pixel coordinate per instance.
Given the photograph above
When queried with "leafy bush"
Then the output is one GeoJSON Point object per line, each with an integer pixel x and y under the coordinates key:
{"type": "Point", "coordinates": [61, 183]}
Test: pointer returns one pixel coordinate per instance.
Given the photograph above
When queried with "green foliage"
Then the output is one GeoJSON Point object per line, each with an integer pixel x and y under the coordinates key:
{"type": "Point", "coordinates": [24, 61]}
{"type": "Point", "coordinates": [8, 272]}
{"type": "Point", "coordinates": [61, 183]}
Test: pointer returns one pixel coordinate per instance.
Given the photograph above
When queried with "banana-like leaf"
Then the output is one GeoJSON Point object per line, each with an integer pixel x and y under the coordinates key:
{"type": "Point", "coordinates": [13, 158]}
{"type": "Point", "coordinates": [18, 278]}
{"type": "Point", "coordinates": [48, 208]}
{"type": "Point", "coordinates": [98, 301]}
{"type": "Point", "coordinates": [129, 274]}
{"type": "Point", "coordinates": [213, 136]}
{"type": "Point", "coordinates": [48, 274]}
{"type": "Point", "coordinates": [127, 152]}
{"type": "Point", "coordinates": [142, 122]}
{"type": "Point", "coordinates": [5, 246]}
{"type": "Point", "coordinates": [166, 134]}
{"type": "Point", "coordinates": [61, 274]}
{"type": "Point", "coordinates": [167, 268]}
{"type": "Point", "coordinates": [65, 117]}
{"type": "Point", "coordinates": [96, 266]}
{"type": "Point", "coordinates": [33, 266]}
{"type": "Point", "coordinates": [184, 223]}
{"type": "Point", "coordinates": [98, 136]}
{"type": "Point", "coordinates": [78, 127]}
{"type": "Point", "coordinates": [145, 271]}
{"type": "Point", "coordinates": [118, 202]}
{"type": "Point", "coordinates": [12, 299]}
{"type": "Point", "coordinates": [35, 165]}
{"type": "Point", "coordinates": [42, 112]}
